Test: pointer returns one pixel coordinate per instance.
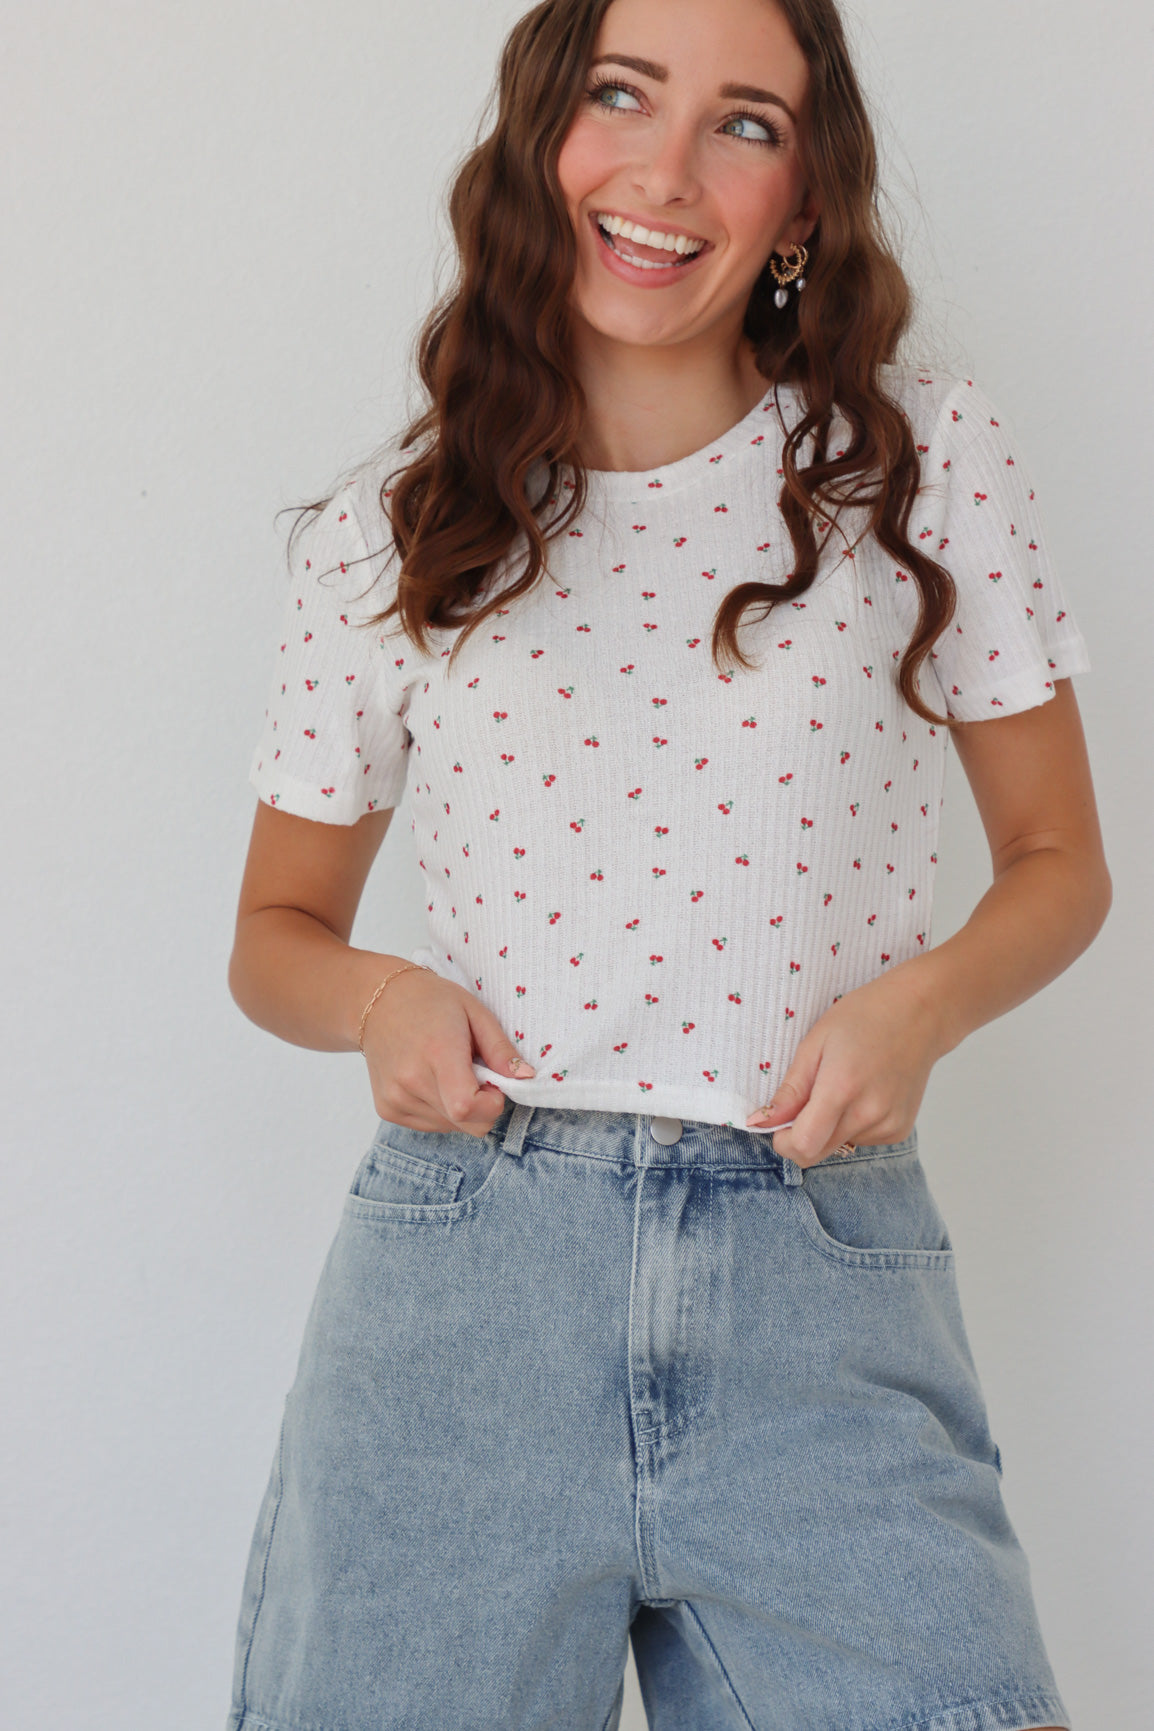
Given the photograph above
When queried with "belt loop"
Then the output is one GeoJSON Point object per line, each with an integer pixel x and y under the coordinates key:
{"type": "Point", "coordinates": [791, 1172]}
{"type": "Point", "coordinates": [515, 1129]}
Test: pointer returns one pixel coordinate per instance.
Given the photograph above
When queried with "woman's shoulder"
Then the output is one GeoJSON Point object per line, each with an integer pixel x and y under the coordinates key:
{"type": "Point", "coordinates": [930, 396]}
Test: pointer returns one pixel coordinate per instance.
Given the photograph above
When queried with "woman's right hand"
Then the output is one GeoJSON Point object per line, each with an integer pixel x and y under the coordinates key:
{"type": "Point", "coordinates": [420, 1038]}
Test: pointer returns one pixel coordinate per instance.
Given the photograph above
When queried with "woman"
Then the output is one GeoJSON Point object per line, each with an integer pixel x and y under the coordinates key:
{"type": "Point", "coordinates": [665, 595]}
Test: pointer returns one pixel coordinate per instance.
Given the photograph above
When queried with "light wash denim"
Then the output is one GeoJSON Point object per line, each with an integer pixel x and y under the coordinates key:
{"type": "Point", "coordinates": [569, 1384]}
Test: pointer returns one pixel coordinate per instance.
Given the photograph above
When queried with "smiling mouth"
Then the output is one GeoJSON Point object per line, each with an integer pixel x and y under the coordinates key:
{"type": "Point", "coordinates": [646, 258]}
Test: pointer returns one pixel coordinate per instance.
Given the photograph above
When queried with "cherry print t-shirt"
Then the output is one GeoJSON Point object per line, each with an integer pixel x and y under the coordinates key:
{"type": "Point", "coordinates": [658, 875]}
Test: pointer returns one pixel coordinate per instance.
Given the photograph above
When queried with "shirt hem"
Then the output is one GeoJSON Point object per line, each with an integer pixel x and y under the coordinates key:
{"type": "Point", "coordinates": [690, 1104]}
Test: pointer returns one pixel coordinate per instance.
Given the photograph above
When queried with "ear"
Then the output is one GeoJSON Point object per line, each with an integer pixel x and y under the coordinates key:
{"type": "Point", "coordinates": [805, 220]}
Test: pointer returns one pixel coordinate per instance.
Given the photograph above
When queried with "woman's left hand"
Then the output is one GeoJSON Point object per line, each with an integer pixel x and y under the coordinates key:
{"type": "Point", "coordinates": [860, 1071]}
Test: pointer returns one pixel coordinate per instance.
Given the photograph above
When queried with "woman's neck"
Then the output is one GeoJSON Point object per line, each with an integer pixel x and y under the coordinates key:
{"type": "Point", "coordinates": [649, 418]}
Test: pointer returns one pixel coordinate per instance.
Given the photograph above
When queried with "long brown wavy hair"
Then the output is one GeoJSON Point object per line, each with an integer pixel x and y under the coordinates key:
{"type": "Point", "coordinates": [494, 353]}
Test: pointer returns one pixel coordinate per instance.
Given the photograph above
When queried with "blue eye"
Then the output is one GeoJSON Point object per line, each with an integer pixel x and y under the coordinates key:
{"type": "Point", "coordinates": [593, 96]}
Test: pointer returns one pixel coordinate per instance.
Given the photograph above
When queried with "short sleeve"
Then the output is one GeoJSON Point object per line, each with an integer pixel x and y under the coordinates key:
{"type": "Point", "coordinates": [1013, 633]}
{"type": "Point", "coordinates": [334, 744]}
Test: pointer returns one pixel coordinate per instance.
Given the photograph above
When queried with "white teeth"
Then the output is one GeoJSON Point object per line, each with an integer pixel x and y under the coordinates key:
{"type": "Point", "coordinates": [678, 243]}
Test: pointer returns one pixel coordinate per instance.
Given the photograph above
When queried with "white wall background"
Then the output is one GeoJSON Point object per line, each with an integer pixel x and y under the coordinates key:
{"type": "Point", "coordinates": [221, 225]}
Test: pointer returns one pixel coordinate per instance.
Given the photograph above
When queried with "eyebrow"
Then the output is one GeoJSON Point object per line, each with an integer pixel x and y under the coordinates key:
{"type": "Point", "coordinates": [650, 69]}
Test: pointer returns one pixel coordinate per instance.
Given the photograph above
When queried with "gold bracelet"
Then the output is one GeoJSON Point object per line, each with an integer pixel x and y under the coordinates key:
{"type": "Point", "coordinates": [380, 989]}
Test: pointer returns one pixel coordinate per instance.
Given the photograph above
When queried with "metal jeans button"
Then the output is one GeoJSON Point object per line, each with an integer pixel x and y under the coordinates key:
{"type": "Point", "coordinates": [666, 1130]}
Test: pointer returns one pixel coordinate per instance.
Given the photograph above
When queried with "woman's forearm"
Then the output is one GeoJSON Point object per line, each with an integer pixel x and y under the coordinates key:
{"type": "Point", "coordinates": [294, 977]}
{"type": "Point", "coordinates": [1036, 918]}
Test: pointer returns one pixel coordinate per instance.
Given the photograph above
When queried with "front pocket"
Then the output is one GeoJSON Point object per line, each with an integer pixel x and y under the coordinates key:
{"type": "Point", "coordinates": [874, 1209]}
{"type": "Point", "coordinates": [391, 1175]}
{"type": "Point", "coordinates": [419, 1176]}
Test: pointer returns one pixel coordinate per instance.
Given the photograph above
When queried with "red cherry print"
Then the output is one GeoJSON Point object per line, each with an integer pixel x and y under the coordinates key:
{"type": "Point", "coordinates": [504, 951]}
{"type": "Point", "coordinates": [632, 925]}
{"type": "Point", "coordinates": [795, 967]}
{"type": "Point", "coordinates": [577, 824]}
{"type": "Point", "coordinates": [807, 823]}
{"type": "Point", "coordinates": [520, 991]}
{"type": "Point", "coordinates": [742, 859]}
{"type": "Point", "coordinates": [658, 742]}
{"type": "Point", "coordinates": [735, 997]}
{"type": "Point", "coordinates": [696, 895]}
{"type": "Point", "coordinates": [518, 853]}
{"type": "Point", "coordinates": [562, 594]}
{"type": "Point", "coordinates": [826, 899]}
{"type": "Point", "coordinates": [700, 762]}
{"type": "Point", "coordinates": [802, 868]}
{"type": "Point", "coordinates": [750, 721]}
{"type": "Point", "coordinates": [498, 715]}
{"type": "Point", "coordinates": [548, 780]}
{"type": "Point", "coordinates": [534, 653]}
{"type": "Point", "coordinates": [575, 961]}
{"type": "Point", "coordinates": [636, 793]}
{"type": "Point", "coordinates": [658, 702]}
{"type": "Point", "coordinates": [495, 815]}
{"type": "Point", "coordinates": [564, 691]}
{"type": "Point", "coordinates": [658, 871]}
{"type": "Point", "coordinates": [816, 726]}
{"type": "Point", "coordinates": [547, 1047]}
{"type": "Point", "coordinates": [885, 958]}
{"type": "Point", "coordinates": [777, 919]}
{"type": "Point", "coordinates": [785, 779]}
{"type": "Point", "coordinates": [591, 1005]}
{"type": "Point", "coordinates": [688, 1027]}
{"type": "Point", "coordinates": [661, 829]}
{"type": "Point", "coordinates": [725, 807]}
{"type": "Point", "coordinates": [593, 740]}
{"type": "Point", "coordinates": [622, 1046]}
{"type": "Point", "coordinates": [692, 642]}
{"type": "Point", "coordinates": [654, 959]}
{"type": "Point", "coordinates": [584, 628]}
{"type": "Point", "coordinates": [650, 999]}
{"type": "Point", "coordinates": [710, 1075]}
{"type": "Point", "coordinates": [646, 1085]}
{"type": "Point", "coordinates": [649, 594]}
{"type": "Point", "coordinates": [789, 1015]}
{"type": "Point", "coordinates": [719, 943]}
{"type": "Point", "coordinates": [597, 876]}
{"type": "Point", "coordinates": [554, 917]}
{"type": "Point", "coordinates": [507, 757]}
{"type": "Point", "coordinates": [628, 669]}
{"type": "Point", "coordinates": [766, 1064]}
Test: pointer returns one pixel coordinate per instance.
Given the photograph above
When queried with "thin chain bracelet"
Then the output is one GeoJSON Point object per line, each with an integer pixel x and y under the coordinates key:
{"type": "Point", "coordinates": [380, 989]}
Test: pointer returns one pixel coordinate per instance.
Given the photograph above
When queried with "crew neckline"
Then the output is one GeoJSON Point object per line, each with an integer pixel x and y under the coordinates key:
{"type": "Point", "coordinates": [624, 485]}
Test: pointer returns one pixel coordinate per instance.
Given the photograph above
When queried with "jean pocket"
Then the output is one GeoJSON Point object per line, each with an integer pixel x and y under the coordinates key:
{"type": "Point", "coordinates": [874, 1209]}
{"type": "Point", "coordinates": [422, 1175]}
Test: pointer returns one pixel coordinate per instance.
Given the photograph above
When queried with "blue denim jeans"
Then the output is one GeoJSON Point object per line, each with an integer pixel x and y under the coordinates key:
{"type": "Point", "coordinates": [596, 1377]}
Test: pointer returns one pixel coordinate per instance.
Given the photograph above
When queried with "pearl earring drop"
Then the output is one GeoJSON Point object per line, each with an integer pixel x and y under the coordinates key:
{"type": "Point", "coordinates": [792, 272]}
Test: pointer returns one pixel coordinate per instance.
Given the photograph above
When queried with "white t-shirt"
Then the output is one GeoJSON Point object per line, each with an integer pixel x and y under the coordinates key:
{"type": "Point", "coordinates": [656, 876]}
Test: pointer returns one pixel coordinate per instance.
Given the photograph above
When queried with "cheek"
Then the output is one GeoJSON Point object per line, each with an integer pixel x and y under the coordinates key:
{"type": "Point", "coordinates": [757, 208]}
{"type": "Point", "coordinates": [585, 160]}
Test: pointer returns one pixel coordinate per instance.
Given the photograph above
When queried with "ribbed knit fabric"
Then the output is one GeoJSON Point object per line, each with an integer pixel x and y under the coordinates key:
{"type": "Point", "coordinates": [657, 875]}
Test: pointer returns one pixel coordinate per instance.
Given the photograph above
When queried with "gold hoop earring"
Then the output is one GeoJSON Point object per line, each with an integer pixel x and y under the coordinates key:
{"type": "Point", "coordinates": [792, 271]}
